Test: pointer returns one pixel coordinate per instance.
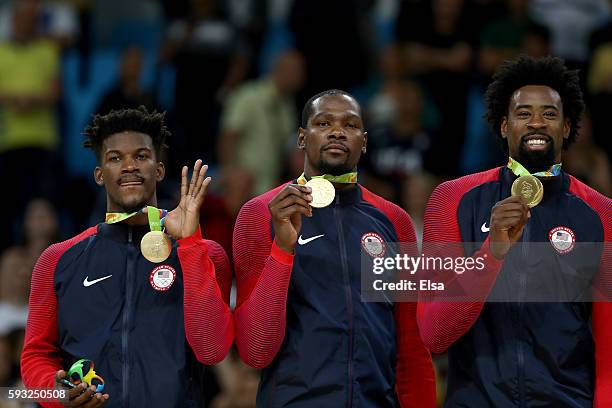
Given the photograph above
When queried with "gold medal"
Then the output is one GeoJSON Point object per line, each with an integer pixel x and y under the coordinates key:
{"type": "Point", "coordinates": [529, 189]}
{"type": "Point", "coordinates": [155, 246]}
{"type": "Point", "coordinates": [323, 192]}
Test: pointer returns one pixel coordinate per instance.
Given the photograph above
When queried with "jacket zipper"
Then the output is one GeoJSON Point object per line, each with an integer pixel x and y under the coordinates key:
{"type": "Point", "coordinates": [522, 290]}
{"type": "Point", "coordinates": [349, 299]}
{"type": "Point", "coordinates": [131, 259]}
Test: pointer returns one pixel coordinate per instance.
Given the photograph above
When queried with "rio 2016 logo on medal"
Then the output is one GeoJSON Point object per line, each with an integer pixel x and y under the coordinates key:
{"type": "Point", "coordinates": [562, 239]}
{"type": "Point", "coordinates": [162, 278]}
{"type": "Point", "coordinates": [373, 244]}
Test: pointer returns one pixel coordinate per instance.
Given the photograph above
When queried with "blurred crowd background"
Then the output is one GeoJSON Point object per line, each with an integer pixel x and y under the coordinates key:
{"type": "Point", "coordinates": [232, 76]}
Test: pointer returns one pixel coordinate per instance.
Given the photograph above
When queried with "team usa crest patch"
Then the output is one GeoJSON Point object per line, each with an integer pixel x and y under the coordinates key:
{"type": "Point", "coordinates": [373, 244]}
{"type": "Point", "coordinates": [162, 277]}
{"type": "Point", "coordinates": [562, 239]}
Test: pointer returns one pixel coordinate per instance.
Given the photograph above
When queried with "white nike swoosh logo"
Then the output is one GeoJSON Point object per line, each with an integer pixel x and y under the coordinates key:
{"type": "Point", "coordinates": [307, 240]}
{"type": "Point", "coordinates": [88, 283]}
{"type": "Point", "coordinates": [484, 227]}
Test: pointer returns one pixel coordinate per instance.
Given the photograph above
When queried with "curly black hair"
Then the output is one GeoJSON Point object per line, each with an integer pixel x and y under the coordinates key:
{"type": "Point", "coordinates": [135, 120]}
{"type": "Point", "coordinates": [523, 71]}
{"type": "Point", "coordinates": [308, 110]}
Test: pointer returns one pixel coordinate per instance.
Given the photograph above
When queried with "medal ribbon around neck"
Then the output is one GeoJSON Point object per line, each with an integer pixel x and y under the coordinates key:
{"type": "Point", "coordinates": [113, 218]}
{"type": "Point", "coordinates": [518, 169]}
{"type": "Point", "coordinates": [347, 178]}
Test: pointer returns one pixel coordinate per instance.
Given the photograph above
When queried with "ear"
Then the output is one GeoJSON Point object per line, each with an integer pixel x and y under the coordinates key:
{"type": "Point", "coordinates": [504, 127]}
{"type": "Point", "coordinates": [160, 171]}
{"type": "Point", "coordinates": [98, 176]}
{"type": "Point", "coordinates": [365, 142]}
{"type": "Point", "coordinates": [567, 127]}
{"type": "Point", "coordinates": [301, 140]}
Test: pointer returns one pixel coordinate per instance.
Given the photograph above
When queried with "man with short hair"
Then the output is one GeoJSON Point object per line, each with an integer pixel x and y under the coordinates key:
{"type": "Point", "coordinates": [300, 314]}
{"type": "Point", "coordinates": [517, 340]}
{"type": "Point", "coordinates": [148, 307]}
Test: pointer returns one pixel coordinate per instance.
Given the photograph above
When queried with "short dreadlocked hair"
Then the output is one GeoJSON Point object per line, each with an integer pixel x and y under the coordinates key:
{"type": "Point", "coordinates": [308, 110]}
{"type": "Point", "coordinates": [523, 71]}
{"type": "Point", "coordinates": [134, 120]}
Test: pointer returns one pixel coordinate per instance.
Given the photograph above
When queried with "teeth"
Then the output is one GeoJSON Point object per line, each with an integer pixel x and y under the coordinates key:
{"type": "Point", "coordinates": [536, 142]}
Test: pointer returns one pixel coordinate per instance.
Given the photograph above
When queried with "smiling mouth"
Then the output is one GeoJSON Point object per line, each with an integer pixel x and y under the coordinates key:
{"type": "Point", "coordinates": [534, 141]}
{"type": "Point", "coordinates": [131, 182]}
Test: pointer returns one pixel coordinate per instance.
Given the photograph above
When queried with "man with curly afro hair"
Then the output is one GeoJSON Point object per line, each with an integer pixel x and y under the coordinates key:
{"type": "Point", "coordinates": [141, 295]}
{"type": "Point", "coordinates": [532, 327]}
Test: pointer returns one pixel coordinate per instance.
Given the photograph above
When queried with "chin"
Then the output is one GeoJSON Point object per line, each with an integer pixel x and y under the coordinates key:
{"type": "Point", "coordinates": [335, 169]}
{"type": "Point", "coordinates": [535, 161]}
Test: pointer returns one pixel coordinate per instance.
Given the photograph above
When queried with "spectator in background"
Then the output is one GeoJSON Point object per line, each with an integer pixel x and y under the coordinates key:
{"type": "Point", "coordinates": [599, 85]}
{"type": "Point", "coordinates": [128, 92]}
{"type": "Point", "coordinates": [588, 162]}
{"type": "Point", "coordinates": [56, 20]}
{"type": "Point", "coordinates": [345, 27]}
{"type": "Point", "coordinates": [238, 383]}
{"type": "Point", "coordinates": [505, 37]}
{"type": "Point", "coordinates": [15, 272]}
{"type": "Point", "coordinates": [29, 90]}
{"type": "Point", "coordinates": [258, 121]}
{"type": "Point", "coordinates": [400, 149]}
{"type": "Point", "coordinates": [41, 227]}
{"type": "Point", "coordinates": [436, 41]}
{"type": "Point", "coordinates": [210, 61]}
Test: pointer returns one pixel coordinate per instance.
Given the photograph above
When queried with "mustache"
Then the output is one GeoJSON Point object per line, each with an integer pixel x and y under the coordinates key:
{"type": "Point", "coordinates": [126, 178]}
{"type": "Point", "coordinates": [339, 145]}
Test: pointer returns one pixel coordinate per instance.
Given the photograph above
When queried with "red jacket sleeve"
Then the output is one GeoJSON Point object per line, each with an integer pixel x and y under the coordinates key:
{"type": "Point", "coordinates": [41, 357]}
{"type": "Point", "coordinates": [442, 323]}
{"type": "Point", "coordinates": [209, 326]}
{"type": "Point", "coordinates": [415, 377]}
{"type": "Point", "coordinates": [263, 273]}
{"type": "Point", "coordinates": [602, 310]}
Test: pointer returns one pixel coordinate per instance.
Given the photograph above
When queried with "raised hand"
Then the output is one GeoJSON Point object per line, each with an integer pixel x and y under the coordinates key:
{"type": "Point", "coordinates": [184, 220]}
{"type": "Point", "coordinates": [287, 208]}
{"type": "Point", "coordinates": [508, 220]}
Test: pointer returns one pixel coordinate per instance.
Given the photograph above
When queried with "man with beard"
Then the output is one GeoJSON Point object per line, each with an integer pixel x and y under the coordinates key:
{"type": "Point", "coordinates": [144, 305]}
{"type": "Point", "coordinates": [525, 346]}
{"type": "Point", "coordinates": [299, 312]}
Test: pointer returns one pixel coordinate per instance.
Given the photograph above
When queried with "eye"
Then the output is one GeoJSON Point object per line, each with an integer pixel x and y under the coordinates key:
{"type": "Point", "coordinates": [550, 114]}
{"type": "Point", "coordinates": [113, 158]}
{"type": "Point", "coordinates": [522, 114]}
{"type": "Point", "coordinates": [351, 125]}
{"type": "Point", "coordinates": [141, 157]}
{"type": "Point", "coordinates": [323, 123]}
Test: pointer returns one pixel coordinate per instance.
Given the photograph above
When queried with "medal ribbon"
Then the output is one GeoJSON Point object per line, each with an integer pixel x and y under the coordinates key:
{"type": "Point", "coordinates": [156, 217]}
{"type": "Point", "coordinates": [518, 169]}
{"type": "Point", "coordinates": [347, 178]}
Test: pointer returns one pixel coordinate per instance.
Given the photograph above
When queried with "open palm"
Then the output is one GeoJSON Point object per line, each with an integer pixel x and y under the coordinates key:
{"type": "Point", "coordinates": [184, 220]}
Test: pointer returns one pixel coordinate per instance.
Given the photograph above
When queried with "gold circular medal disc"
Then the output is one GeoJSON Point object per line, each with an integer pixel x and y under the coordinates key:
{"type": "Point", "coordinates": [155, 246]}
{"type": "Point", "coordinates": [323, 192]}
{"type": "Point", "coordinates": [529, 189]}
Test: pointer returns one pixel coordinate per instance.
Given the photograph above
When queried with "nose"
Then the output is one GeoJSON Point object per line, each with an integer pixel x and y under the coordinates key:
{"type": "Point", "coordinates": [337, 132]}
{"type": "Point", "coordinates": [536, 122]}
{"type": "Point", "coordinates": [129, 165]}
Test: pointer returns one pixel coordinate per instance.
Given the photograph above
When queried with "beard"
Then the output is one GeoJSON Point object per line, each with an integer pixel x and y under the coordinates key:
{"type": "Point", "coordinates": [536, 161]}
{"type": "Point", "coordinates": [333, 169]}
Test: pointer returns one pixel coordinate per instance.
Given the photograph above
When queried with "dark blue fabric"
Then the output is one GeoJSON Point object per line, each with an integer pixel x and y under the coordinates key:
{"type": "Point", "coordinates": [520, 354]}
{"type": "Point", "coordinates": [338, 351]}
{"type": "Point", "coordinates": [134, 334]}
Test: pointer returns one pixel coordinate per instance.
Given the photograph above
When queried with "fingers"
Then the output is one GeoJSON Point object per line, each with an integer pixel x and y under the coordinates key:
{"type": "Point", "coordinates": [194, 176]}
{"type": "Point", "coordinates": [294, 190]}
{"type": "Point", "coordinates": [509, 213]}
{"type": "Point", "coordinates": [83, 395]}
{"type": "Point", "coordinates": [197, 188]}
{"type": "Point", "coordinates": [291, 200]}
{"type": "Point", "coordinates": [184, 187]}
{"type": "Point", "coordinates": [97, 400]}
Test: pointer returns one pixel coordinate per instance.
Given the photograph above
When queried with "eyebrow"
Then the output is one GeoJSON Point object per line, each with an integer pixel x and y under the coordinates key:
{"type": "Point", "coordinates": [115, 151]}
{"type": "Point", "coordinates": [526, 106]}
{"type": "Point", "coordinates": [349, 115]}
